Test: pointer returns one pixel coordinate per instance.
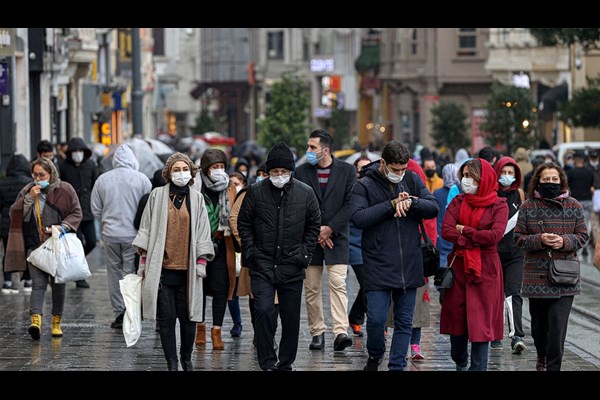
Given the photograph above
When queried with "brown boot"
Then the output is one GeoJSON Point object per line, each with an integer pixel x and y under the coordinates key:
{"type": "Point", "coordinates": [201, 334]}
{"type": "Point", "coordinates": [215, 335]}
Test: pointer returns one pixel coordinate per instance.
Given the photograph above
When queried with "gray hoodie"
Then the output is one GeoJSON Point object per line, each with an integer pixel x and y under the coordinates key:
{"type": "Point", "coordinates": [116, 196]}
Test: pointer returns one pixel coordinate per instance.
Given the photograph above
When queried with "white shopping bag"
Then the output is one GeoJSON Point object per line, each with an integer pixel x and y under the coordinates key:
{"type": "Point", "coordinates": [72, 264]}
{"type": "Point", "coordinates": [131, 289]}
{"type": "Point", "coordinates": [45, 257]}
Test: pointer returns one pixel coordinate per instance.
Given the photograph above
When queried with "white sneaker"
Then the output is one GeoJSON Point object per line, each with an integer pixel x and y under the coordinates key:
{"type": "Point", "coordinates": [27, 286]}
{"type": "Point", "coordinates": [9, 289]}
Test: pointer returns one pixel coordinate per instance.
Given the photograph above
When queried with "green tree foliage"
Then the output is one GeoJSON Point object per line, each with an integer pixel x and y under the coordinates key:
{"type": "Point", "coordinates": [204, 123]}
{"type": "Point", "coordinates": [587, 37]}
{"type": "Point", "coordinates": [449, 123]}
{"type": "Point", "coordinates": [584, 107]}
{"type": "Point", "coordinates": [507, 108]}
{"type": "Point", "coordinates": [286, 113]}
{"type": "Point", "coordinates": [339, 128]}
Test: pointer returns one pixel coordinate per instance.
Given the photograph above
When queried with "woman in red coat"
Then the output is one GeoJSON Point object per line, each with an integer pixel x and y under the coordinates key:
{"type": "Point", "coordinates": [473, 307]}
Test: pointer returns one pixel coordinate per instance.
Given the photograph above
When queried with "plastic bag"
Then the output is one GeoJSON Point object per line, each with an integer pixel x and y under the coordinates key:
{"type": "Point", "coordinates": [238, 263]}
{"type": "Point", "coordinates": [596, 201]}
{"type": "Point", "coordinates": [131, 289]}
{"type": "Point", "coordinates": [72, 264]}
{"type": "Point", "coordinates": [45, 257]}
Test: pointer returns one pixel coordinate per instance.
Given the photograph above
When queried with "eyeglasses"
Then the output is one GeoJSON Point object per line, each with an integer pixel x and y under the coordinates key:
{"type": "Point", "coordinates": [39, 176]}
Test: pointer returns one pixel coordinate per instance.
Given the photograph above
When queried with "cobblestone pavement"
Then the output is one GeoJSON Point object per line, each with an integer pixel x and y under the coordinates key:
{"type": "Point", "coordinates": [89, 344]}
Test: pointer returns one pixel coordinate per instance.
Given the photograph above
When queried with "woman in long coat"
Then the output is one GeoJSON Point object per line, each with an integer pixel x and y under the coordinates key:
{"type": "Point", "coordinates": [174, 243]}
{"type": "Point", "coordinates": [473, 307]}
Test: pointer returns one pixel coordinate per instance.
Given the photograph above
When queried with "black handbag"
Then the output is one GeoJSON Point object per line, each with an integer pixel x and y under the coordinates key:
{"type": "Point", "coordinates": [564, 272]}
{"type": "Point", "coordinates": [444, 277]}
{"type": "Point", "coordinates": [431, 254]}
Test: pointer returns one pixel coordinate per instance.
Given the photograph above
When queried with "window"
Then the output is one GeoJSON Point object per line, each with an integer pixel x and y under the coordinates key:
{"type": "Point", "coordinates": [158, 34]}
{"type": "Point", "coordinates": [275, 45]}
{"type": "Point", "coordinates": [467, 42]}
{"type": "Point", "coordinates": [413, 44]}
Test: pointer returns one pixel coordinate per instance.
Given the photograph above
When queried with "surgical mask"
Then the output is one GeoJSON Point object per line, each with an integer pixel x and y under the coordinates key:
{"type": "Point", "coordinates": [77, 156]}
{"type": "Point", "coordinates": [392, 177]}
{"type": "Point", "coordinates": [311, 157]}
{"type": "Point", "coordinates": [594, 163]}
{"type": "Point", "coordinates": [42, 184]}
{"type": "Point", "coordinates": [467, 186]}
{"type": "Point", "coordinates": [245, 173]}
{"type": "Point", "coordinates": [218, 175]}
{"type": "Point", "coordinates": [430, 173]}
{"type": "Point", "coordinates": [280, 181]}
{"type": "Point", "coordinates": [260, 179]}
{"type": "Point", "coordinates": [506, 180]}
{"type": "Point", "coordinates": [238, 188]}
{"type": "Point", "coordinates": [181, 178]}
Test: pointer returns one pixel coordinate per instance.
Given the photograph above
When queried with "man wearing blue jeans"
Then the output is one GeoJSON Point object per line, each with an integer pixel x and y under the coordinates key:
{"type": "Point", "coordinates": [383, 206]}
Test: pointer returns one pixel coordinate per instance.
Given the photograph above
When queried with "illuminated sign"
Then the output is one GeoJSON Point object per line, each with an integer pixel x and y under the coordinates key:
{"type": "Point", "coordinates": [322, 65]}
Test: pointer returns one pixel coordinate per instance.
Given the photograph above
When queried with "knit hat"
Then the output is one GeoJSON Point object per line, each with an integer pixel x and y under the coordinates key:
{"type": "Point", "coordinates": [280, 156]}
{"type": "Point", "coordinates": [166, 172]}
{"type": "Point", "coordinates": [210, 157]}
{"type": "Point", "coordinates": [262, 167]}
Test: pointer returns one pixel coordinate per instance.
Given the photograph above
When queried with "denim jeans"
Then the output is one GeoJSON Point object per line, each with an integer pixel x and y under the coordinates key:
{"type": "Point", "coordinates": [378, 302]}
{"type": "Point", "coordinates": [460, 355]}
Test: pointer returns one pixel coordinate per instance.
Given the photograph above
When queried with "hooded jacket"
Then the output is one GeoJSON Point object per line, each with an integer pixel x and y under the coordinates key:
{"type": "Point", "coordinates": [116, 196]}
{"type": "Point", "coordinates": [391, 246]}
{"type": "Point", "coordinates": [18, 174]}
{"type": "Point", "coordinates": [507, 247]}
{"type": "Point", "coordinates": [82, 177]}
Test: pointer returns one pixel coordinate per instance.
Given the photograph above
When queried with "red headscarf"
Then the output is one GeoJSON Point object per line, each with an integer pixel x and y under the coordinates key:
{"type": "Point", "coordinates": [471, 211]}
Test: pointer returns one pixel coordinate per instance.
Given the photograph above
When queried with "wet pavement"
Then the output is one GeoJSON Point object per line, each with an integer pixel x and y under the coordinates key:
{"type": "Point", "coordinates": [90, 344]}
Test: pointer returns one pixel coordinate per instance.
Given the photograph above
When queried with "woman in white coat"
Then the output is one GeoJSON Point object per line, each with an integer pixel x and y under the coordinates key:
{"type": "Point", "coordinates": [174, 243]}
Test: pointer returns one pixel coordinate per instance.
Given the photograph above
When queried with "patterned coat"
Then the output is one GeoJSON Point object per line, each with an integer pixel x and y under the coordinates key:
{"type": "Point", "coordinates": [562, 216]}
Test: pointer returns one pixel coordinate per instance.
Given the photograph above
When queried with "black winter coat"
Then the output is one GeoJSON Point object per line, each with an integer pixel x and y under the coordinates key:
{"type": "Point", "coordinates": [279, 230]}
{"type": "Point", "coordinates": [335, 208]}
{"type": "Point", "coordinates": [82, 177]}
{"type": "Point", "coordinates": [391, 246]}
{"type": "Point", "coordinates": [18, 174]}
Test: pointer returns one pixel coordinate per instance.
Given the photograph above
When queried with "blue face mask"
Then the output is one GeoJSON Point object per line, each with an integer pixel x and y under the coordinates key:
{"type": "Point", "coordinates": [311, 157]}
{"type": "Point", "coordinates": [260, 179]}
{"type": "Point", "coordinates": [506, 180]}
{"type": "Point", "coordinates": [42, 184]}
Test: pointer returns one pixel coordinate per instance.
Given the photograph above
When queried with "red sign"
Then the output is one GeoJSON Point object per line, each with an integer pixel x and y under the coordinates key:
{"type": "Point", "coordinates": [335, 83]}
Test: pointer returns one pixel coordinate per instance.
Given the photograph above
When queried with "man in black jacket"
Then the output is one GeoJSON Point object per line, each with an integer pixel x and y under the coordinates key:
{"type": "Point", "coordinates": [278, 224]}
{"type": "Point", "coordinates": [332, 181]}
{"type": "Point", "coordinates": [79, 170]}
{"type": "Point", "coordinates": [388, 211]}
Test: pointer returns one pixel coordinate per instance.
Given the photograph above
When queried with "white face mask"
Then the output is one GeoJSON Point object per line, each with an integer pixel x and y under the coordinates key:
{"type": "Point", "coordinates": [245, 173]}
{"type": "Point", "coordinates": [238, 188]}
{"type": "Point", "coordinates": [594, 163]}
{"type": "Point", "coordinates": [218, 175]}
{"type": "Point", "coordinates": [181, 178]}
{"type": "Point", "coordinates": [77, 156]}
{"type": "Point", "coordinates": [467, 186]}
{"type": "Point", "coordinates": [392, 177]}
{"type": "Point", "coordinates": [280, 181]}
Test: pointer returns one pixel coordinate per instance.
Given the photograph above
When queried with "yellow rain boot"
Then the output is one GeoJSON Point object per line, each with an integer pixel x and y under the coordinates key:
{"type": "Point", "coordinates": [35, 329]}
{"type": "Point", "coordinates": [56, 331]}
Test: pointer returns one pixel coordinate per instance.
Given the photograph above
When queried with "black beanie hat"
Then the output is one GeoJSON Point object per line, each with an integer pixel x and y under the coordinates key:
{"type": "Point", "coordinates": [210, 157]}
{"type": "Point", "coordinates": [280, 156]}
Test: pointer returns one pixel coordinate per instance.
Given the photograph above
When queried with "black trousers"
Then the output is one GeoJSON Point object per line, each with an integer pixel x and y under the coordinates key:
{"type": "Point", "coordinates": [512, 269]}
{"type": "Point", "coordinates": [8, 275]}
{"type": "Point", "coordinates": [265, 317]}
{"type": "Point", "coordinates": [358, 311]}
{"type": "Point", "coordinates": [549, 320]}
{"type": "Point", "coordinates": [87, 234]}
{"type": "Point", "coordinates": [216, 284]}
{"type": "Point", "coordinates": [172, 305]}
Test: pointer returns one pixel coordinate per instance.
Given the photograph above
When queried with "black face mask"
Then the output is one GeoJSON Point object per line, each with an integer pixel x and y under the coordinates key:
{"type": "Point", "coordinates": [430, 173]}
{"type": "Point", "coordinates": [549, 190]}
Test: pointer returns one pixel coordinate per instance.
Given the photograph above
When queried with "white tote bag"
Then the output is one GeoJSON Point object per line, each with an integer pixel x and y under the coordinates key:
{"type": "Point", "coordinates": [72, 264]}
{"type": "Point", "coordinates": [131, 289]}
{"type": "Point", "coordinates": [45, 257]}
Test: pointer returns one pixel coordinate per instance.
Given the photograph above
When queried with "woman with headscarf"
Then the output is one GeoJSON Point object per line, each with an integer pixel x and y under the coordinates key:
{"type": "Point", "coordinates": [219, 195]}
{"type": "Point", "coordinates": [472, 309]}
{"type": "Point", "coordinates": [44, 203]}
{"type": "Point", "coordinates": [175, 246]}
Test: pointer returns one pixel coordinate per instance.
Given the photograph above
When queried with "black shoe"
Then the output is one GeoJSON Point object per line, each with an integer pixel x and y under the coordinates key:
{"type": "Point", "coordinates": [341, 342]}
{"type": "Point", "coordinates": [82, 284]}
{"type": "Point", "coordinates": [372, 364]}
{"type": "Point", "coordinates": [187, 365]}
{"type": "Point", "coordinates": [172, 365]}
{"type": "Point", "coordinates": [318, 342]}
{"type": "Point", "coordinates": [517, 345]}
{"type": "Point", "coordinates": [236, 331]}
{"type": "Point", "coordinates": [118, 322]}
